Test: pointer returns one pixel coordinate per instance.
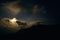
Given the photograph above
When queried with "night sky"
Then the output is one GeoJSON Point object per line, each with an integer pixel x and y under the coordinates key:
{"type": "Point", "coordinates": [44, 11]}
{"type": "Point", "coordinates": [48, 13]}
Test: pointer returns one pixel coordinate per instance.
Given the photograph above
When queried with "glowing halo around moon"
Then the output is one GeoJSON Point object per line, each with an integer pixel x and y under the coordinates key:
{"type": "Point", "coordinates": [13, 20]}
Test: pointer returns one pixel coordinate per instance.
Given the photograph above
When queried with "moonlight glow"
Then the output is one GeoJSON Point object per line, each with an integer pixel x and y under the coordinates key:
{"type": "Point", "coordinates": [13, 20]}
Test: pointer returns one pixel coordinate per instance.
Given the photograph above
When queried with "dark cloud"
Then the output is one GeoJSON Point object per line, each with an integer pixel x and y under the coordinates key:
{"type": "Point", "coordinates": [14, 26]}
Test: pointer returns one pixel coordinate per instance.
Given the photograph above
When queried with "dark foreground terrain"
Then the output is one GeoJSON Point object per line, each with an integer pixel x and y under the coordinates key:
{"type": "Point", "coordinates": [35, 31]}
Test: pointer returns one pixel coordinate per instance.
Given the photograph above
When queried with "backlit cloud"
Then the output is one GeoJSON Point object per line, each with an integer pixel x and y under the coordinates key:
{"type": "Point", "coordinates": [12, 25]}
{"type": "Point", "coordinates": [37, 9]}
{"type": "Point", "coordinates": [13, 7]}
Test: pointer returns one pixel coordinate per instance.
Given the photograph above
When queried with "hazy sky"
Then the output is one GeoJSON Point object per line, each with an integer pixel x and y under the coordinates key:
{"type": "Point", "coordinates": [29, 10]}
